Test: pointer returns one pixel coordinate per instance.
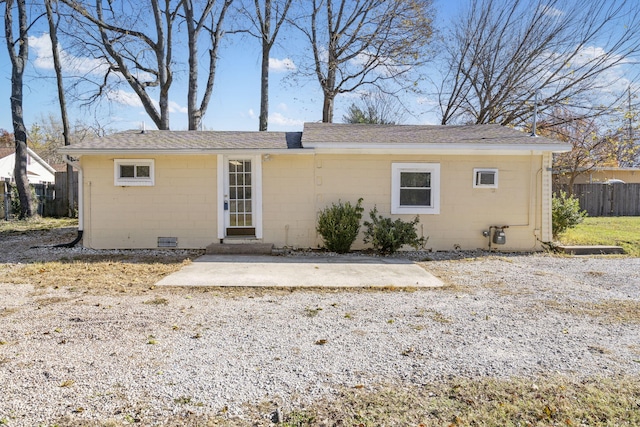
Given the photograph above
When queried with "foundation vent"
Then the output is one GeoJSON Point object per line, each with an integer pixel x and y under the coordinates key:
{"type": "Point", "coordinates": [167, 242]}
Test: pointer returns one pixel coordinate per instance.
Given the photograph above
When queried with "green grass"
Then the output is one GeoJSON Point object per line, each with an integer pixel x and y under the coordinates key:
{"type": "Point", "coordinates": [36, 224]}
{"type": "Point", "coordinates": [619, 231]}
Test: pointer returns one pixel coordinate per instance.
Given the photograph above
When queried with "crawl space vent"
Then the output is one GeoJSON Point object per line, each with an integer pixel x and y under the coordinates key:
{"type": "Point", "coordinates": [167, 242]}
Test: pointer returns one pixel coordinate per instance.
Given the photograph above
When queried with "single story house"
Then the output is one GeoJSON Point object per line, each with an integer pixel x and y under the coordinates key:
{"type": "Point", "coordinates": [38, 171]}
{"type": "Point", "coordinates": [191, 189]}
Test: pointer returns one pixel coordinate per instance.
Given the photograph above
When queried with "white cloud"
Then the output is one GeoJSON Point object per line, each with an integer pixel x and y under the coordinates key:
{"type": "Point", "coordinates": [41, 46]}
{"type": "Point", "coordinates": [281, 65]}
{"type": "Point", "coordinates": [279, 119]}
{"type": "Point", "coordinates": [251, 113]}
{"type": "Point", "coordinates": [551, 11]}
{"type": "Point", "coordinates": [130, 99]}
{"type": "Point", "coordinates": [125, 98]}
{"type": "Point", "coordinates": [174, 107]}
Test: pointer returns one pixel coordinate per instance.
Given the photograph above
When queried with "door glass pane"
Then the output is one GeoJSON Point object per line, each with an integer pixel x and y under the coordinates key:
{"type": "Point", "coordinates": [240, 202]}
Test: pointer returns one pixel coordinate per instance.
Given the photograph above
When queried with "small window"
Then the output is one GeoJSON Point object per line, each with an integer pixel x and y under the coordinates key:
{"type": "Point", "coordinates": [133, 172]}
{"type": "Point", "coordinates": [485, 178]}
{"type": "Point", "coordinates": [415, 188]}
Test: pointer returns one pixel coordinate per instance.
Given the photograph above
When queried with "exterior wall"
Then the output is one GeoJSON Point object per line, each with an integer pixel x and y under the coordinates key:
{"type": "Point", "coordinates": [181, 204]}
{"type": "Point", "coordinates": [288, 208]}
{"type": "Point", "coordinates": [464, 211]}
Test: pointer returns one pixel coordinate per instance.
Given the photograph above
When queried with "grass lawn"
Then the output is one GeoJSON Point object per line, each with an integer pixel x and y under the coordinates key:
{"type": "Point", "coordinates": [620, 231]}
{"type": "Point", "coordinates": [36, 224]}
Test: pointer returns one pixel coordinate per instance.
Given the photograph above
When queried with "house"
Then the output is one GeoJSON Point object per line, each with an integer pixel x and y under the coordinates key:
{"type": "Point", "coordinates": [469, 185]}
{"type": "Point", "coordinates": [38, 171]}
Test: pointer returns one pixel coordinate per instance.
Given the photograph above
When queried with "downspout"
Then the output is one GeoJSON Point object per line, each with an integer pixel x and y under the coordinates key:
{"type": "Point", "coordinates": [80, 204]}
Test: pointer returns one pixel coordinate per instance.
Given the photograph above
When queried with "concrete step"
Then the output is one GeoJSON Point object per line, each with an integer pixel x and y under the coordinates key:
{"type": "Point", "coordinates": [591, 250]}
{"type": "Point", "coordinates": [239, 249]}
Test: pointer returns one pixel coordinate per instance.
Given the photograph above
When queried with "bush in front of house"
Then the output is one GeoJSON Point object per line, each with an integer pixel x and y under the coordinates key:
{"type": "Point", "coordinates": [565, 213]}
{"type": "Point", "coordinates": [388, 236]}
{"type": "Point", "coordinates": [339, 225]}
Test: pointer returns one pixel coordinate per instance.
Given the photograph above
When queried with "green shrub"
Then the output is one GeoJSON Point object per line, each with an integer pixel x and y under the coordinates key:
{"type": "Point", "coordinates": [388, 236]}
{"type": "Point", "coordinates": [339, 225]}
{"type": "Point", "coordinates": [566, 213]}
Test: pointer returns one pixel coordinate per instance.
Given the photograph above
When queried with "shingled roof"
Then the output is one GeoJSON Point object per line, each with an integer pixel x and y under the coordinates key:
{"type": "Point", "coordinates": [320, 136]}
{"type": "Point", "coordinates": [166, 140]}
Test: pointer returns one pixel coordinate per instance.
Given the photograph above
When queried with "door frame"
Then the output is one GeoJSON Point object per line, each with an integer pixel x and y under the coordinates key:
{"type": "Point", "coordinates": [223, 190]}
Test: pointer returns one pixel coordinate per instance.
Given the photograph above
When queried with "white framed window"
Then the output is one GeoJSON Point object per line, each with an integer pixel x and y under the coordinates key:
{"type": "Point", "coordinates": [133, 172]}
{"type": "Point", "coordinates": [415, 188]}
{"type": "Point", "coordinates": [485, 178]}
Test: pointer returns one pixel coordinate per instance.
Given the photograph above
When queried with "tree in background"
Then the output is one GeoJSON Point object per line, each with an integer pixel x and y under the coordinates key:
{"type": "Point", "coordinates": [267, 17]}
{"type": "Point", "coordinates": [53, 19]}
{"type": "Point", "coordinates": [364, 43]}
{"type": "Point", "coordinates": [375, 108]}
{"type": "Point", "coordinates": [18, 53]}
{"type": "Point", "coordinates": [48, 134]}
{"type": "Point", "coordinates": [135, 41]}
{"type": "Point", "coordinates": [195, 24]}
{"type": "Point", "coordinates": [500, 52]}
{"type": "Point", "coordinates": [592, 146]}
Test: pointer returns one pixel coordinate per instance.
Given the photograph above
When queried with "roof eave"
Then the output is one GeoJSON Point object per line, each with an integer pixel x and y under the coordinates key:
{"type": "Point", "coordinates": [178, 152]}
{"type": "Point", "coordinates": [453, 148]}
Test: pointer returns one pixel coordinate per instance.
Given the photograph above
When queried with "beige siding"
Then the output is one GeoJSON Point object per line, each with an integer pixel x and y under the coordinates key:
{"type": "Point", "coordinates": [287, 201]}
{"type": "Point", "coordinates": [184, 204]}
{"type": "Point", "coordinates": [181, 204]}
{"type": "Point", "coordinates": [464, 211]}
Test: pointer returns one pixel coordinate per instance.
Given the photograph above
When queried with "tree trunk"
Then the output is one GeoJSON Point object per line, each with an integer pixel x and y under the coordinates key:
{"type": "Point", "coordinates": [327, 108]}
{"type": "Point", "coordinates": [53, 35]}
{"type": "Point", "coordinates": [18, 61]}
{"type": "Point", "coordinates": [264, 89]}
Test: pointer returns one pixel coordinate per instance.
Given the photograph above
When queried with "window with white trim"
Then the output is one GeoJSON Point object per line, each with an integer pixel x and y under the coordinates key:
{"type": "Point", "coordinates": [485, 178]}
{"type": "Point", "coordinates": [415, 188]}
{"type": "Point", "coordinates": [133, 172]}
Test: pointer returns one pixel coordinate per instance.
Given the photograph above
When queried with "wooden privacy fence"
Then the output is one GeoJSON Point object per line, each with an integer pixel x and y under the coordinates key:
{"type": "Point", "coordinates": [608, 199]}
{"type": "Point", "coordinates": [52, 199]}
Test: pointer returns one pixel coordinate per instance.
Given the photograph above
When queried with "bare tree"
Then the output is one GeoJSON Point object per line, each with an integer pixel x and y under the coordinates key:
{"type": "Point", "coordinates": [18, 48]}
{"type": "Point", "coordinates": [360, 43]}
{"type": "Point", "coordinates": [216, 31]}
{"type": "Point", "coordinates": [53, 20]}
{"type": "Point", "coordinates": [143, 60]}
{"type": "Point", "coordinates": [266, 17]}
{"type": "Point", "coordinates": [592, 146]}
{"type": "Point", "coordinates": [500, 52]}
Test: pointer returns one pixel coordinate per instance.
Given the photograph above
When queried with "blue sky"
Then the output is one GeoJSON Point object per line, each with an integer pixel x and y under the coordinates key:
{"type": "Point", "coordinates": [236, 96]}
{"type": "Point", "coordinates": [235, 104]}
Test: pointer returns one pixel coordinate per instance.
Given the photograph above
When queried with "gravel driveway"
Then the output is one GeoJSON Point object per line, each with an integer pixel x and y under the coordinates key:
{"type": "Point", "coordinates": [151, 357]}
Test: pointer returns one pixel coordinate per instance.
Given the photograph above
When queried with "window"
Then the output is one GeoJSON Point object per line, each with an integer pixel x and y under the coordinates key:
{"type": "Point", "coordinates": [415, 188]}
{"type": "Point", "coordinates": [485, 178]}
{"type": "Point", "coordinates": [133, 172]}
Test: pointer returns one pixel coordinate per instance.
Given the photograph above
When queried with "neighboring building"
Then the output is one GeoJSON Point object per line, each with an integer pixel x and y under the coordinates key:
{"type": "Point", "coordinates": [190, 189]}
{"type": "Point", "coordinates": [38, 171]}
{"type": "Point", "coordinates": [605, 174]}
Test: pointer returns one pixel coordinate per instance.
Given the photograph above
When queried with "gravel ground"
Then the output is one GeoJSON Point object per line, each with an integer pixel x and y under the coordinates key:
{"type": "Point", "coordinates": [175, 352]}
